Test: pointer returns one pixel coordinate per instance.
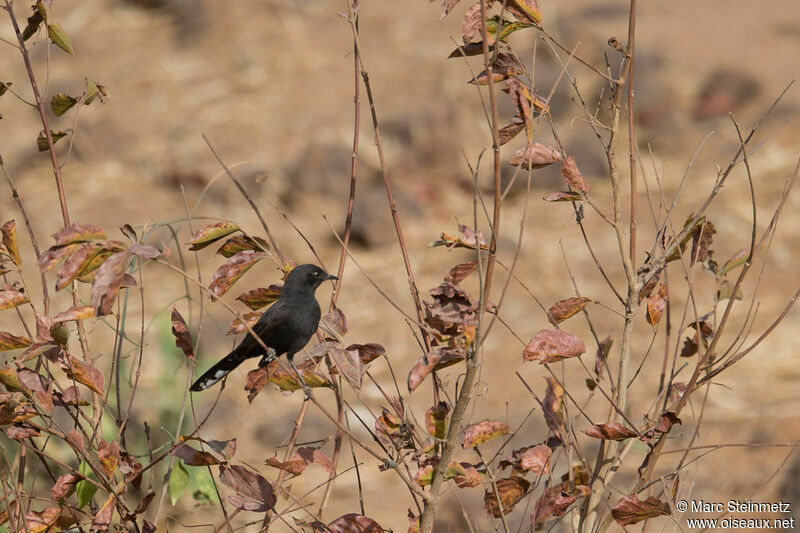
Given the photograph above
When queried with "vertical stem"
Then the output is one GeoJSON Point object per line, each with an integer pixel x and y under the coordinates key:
{"type": "Point", "coordinates": [632, 129]}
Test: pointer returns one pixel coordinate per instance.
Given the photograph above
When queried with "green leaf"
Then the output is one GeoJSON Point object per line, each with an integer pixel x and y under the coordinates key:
{"type": "Point", "coordinates": [84, 489]}
{"type": "Point", "coordinates": [4, 87]}
{"type": "Point", "coordinates": [203, 484]}
{"type": "Point", "coordinates": [61, 103]}
{"type": "Point", "coordinates": [41, 140]}
{"type": "Point", "coordinates": [91, 92]}
{"type": "Point", "coordinates": [59, 37]}
{"type": "Point", "coordinates": [178, 481]}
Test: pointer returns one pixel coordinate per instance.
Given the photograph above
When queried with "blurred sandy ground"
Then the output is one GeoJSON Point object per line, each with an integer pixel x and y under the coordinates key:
{"type": "Point", "coordinates": [271, 85]}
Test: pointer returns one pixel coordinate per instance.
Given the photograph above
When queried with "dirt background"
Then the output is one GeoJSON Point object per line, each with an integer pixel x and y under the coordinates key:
{"type": "Point", "coordinates": [271, 85]}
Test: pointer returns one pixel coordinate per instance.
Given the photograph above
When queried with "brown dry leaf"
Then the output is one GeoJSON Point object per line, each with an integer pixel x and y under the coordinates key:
{"type": "Point", "coordinates": [85, 373]}
{"type": "Point", "coordinates": [603, 349]}
{"type": "Point", "coordinates": [553, 405]}
{"type": "Point", "coordinates": [674, 393]}
{"type": "Point", "coordinates": [211, 233]}
{"type": "Point", "coordinates": [555, 501]}
{"type": "Point", "coordinates": [13, 409]}
{"type": "Point", "coordinates": [315, 455]}
{"type": "Point", "coordinates": [738, 259]}
{"type": "Point", "coordinates": [550, 345]}
{"type": "Point", "coordinates": [78, 233]}
{"type": "Point", "coordinates": [180, 331]}
{"type": "Point", "coordinates": [536, 459]}
{"type": "Point", "coordinates": [286, 379]}
{"type": "Point", "coordinates": [337, 320]}
{"type": "Point", "coordinates": [510, 130]}
{"type": "Point", "coordinates": [510, 489]}
{"type": "Point", "coordinates": [468, 50]}
{"type": "Point", "coordinates": [424, 475]}
{"type": "Point", "coordinates": [21, 431]}
{"type": "Point", "coordinates": [666, 421]}
{"type": "Point", "coordinates": [64, 485]}
{"type": "Point", "coordinates": [54, 255]}
{"type": "Point", "coordinates": [367, 352]}
{"type": "Point", "coordinates": [107, 282]}
{"type": "Point", "coordinates": [102, 519]}
{"type": "Point", "coordinates": [436, 360]}
{"type": "Point", "coordinates": [447, 6]}
{"type": "Point", "coordinates": [295, 465]}
{"type": "Point", "coordinates": [74, 313]}
{"type": "Point", "coordinates": [481, 432]}
{"type": "Point", "coordinates": [391, 430]}
{"type": "Point", "coordinates": [525, 10]}
{"type": "Point", "coordinates": [458, 273]}
{"type": "Point", "coordinates": [467, 241]}
{"type": "Point", "coordinates": [75, 438]}
{"type": "Point", "coordinates": [192, 457]}
{"type": "Point", "coordinates": [656, 304]}
{"type": "Point", "coordinates": [144, 251]}
{"type": "Point", "coordinates": [464, 474]}
{"type": "Point", "coordinates": [226, 448]}
{"type": "Point", "coordinates": [41, 522]}
{"type": "Point", "coordinates": [239, 243]}
{"type": "Point", "coordinates": [253, 491]}
{"type": "Point", "coordinates": [471, 24]}
{"type": "Point", "coordinates": [702, 238]}
{"type": "Point", "coordinates": [354, 523]}
{"type": "Point", "coordinates": [108, 455]}
{"type": "Point", "coordinates": [12, 342]}
{"type": "Point", "coordinates": [260, 297]}
{"type": "Point", "coordinates": [631, 510]}
{"type": "Point", "coordinates": [11, 297]}
{"type": "Point", "coordinates": [78, 260]}
{"type": "Point", "coordinates": [249, 318]}
{"type": "Point", "coordinates": [452, 314]}
{"type": "Point", "coordinates": [563, 309]}
{"type": "Point", "coordinates": [233, 269]}
{"type": "Point", "coordinates": [9, 231]}
{"type": "Point", "coordinates": [348, 364]}
{"type": "Point", "coordinates": [562, 196]}
{"type": "Point", "coordinates": [70, 396]}
{"type": "Point", "coordinates": [436, 420]}
{"type": "Point", "coordinates": [573, 176]}
{"type": "Point", "coordinates": [534, 156]}
{"type": "Point", "coordinates": [10, 378]}
{"type": "Point", "coordinates": [256, 380]}
{"type": "Point", "coordinates": [610, 431]}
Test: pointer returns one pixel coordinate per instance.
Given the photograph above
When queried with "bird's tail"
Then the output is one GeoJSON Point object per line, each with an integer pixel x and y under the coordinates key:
{"type": "Point", "coordinates": [218, 371]}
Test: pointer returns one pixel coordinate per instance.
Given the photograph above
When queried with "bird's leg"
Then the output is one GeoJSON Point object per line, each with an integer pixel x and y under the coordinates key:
{"type": "Point", "coordinates": [268, 358]}
{"type": "Point", "coordinates": [306, 388]}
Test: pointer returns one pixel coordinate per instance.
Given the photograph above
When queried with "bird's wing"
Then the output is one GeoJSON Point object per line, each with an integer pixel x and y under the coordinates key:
{"type": "Point", "coordinates": [268, 328]}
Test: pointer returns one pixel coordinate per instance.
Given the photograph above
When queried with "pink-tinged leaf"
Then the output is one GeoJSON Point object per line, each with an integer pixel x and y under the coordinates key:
{"type": "Point", "coordinates": [21, 431]}
{"type": "Point", "coordinates": [391, 430]}
{"type": "Point", "coordinates": [70, 396]}
{"type": "Point", "coordinates": [471, 239]}
{"type": "Point", "coordinates": [85, 373]}
{"type": "Point", "coordinates": [471, 24]}
{"type": "Point", "coordinates": [12, 342]}
{"type": "Point", "coordinates": [464, 474]}
{"type": "Point", "coordinates": [534, 156]}
{"type": "Point", "coordinates": [536, 459]}
{"type": "Point", "coordinates": [573, 176]}
{"type": "Point", "coordinates": [180, 331]}
{"type": "Point", "coordinates": [337, 320]}
{"type": "Point", "coordinates": [603, 349]}
{"type": "Point", "coordinates": [447, 6]}
{"type": "Point", "coordinates": [237, 326]}
{"type": "Point", "coordinates": [315, 455]}
{"type": "Point", "coordinates": [424, 475]}
{"type": "Point", "coordinates": [436, 360]}
{"type": "Point", "coordinates": [510, 490]}
{"type": "Point", "coordinates": [75, 438]}
{"type": "Point", "coordinates": [252, 491]}
{"type": "Point", "coordinates": [509, 131]}
{"type": "Point", "coordinates": [108, 455]}
{"type": "Point", "coordinates": [211, 233]}
{"type": "Point", "coordinates": [436, 420]}
{"type": "Point", "coordinates": [458, 273]}
{"type": "Point", "coordinates": [64, 485]}
{"type": "Point", "coordinates": [563, 309]}
{"type": "Point", "coordinates": [12, 298]}
{"type": "Point", "coordinates": [666, 421]}
{"type": "Point", "coordinates": [9, 231]}
{"type": "Point", "coordinates": [559, 196]}
{"type": "Point", "coordinates": [295, 465]}
{"type": "Point", "coordinates": [78, 233]}
{"type": "Point", "coordinates": [348, 364]}
{"type": "Point", "coordinates": [74, 313]}
{"type": "Point", "coordinates": [256, 380]}
{"type": "Point", "coordinates": [738, 259]}
{"type": "Point", "coordinates": [255, 299]}
{"type": "Point", "coordinates": [631, 510]}
{"type": "Point", "coordinates": [354, 523]}
{"type": "Point", "coordinates": [238, 243]}
{"type": "Point", "coordinates": [481, 432]}
{"type": "Point", "coordinates": [192, 457]}
{"type": "Point", "coordinates": [54, 255]}
{"type": "Point", "coordinates": [553, 406]}
{"type": "Point", "coordinates": [102, 519]}
{"type": "Point", "coordinates": [550, 345]}
{"type": "Point", "coordinates": [107, 282]}
{"type": "Point", "coordinates": [656, 304]}
{"type": "Point", "coordinates": [610, 431]}
{"type": "Point", "coordinates": [555, 501]}
{"type": "Point", "coordinates": [144, 251]}
{"type": "Point", "coordinates": [233, 269]}
{"type": "Point", "coordinates": [226, 448]}
{"type": "Point", "coordinates": [367, 352]}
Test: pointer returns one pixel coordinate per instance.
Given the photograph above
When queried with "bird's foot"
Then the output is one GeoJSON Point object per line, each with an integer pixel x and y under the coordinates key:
{"type": "Point", "coordinates": [307, 394]}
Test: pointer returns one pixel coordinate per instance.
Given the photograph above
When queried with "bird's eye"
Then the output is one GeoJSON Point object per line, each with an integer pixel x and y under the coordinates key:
{"type": "Point", "coordinates": [316, 274]}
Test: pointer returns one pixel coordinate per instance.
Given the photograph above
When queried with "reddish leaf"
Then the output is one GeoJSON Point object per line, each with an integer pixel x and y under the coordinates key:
{"type": "Point", "coordinates": [391, 430]}
{"type": "Point", "coordinates": [103, 517]}
{"type": "Point", "coordinates": [41, 522]}
{"type": "Point", "coordinates": [75, 438]}
{"type": "Point", "coordinates": [702, 237]}
{"type": "Point", "coordinates": [550, 345]}
{"type": "Point", "coordinates": [367, 352]}
{"type": "Point", "coordinates": [295, 465]}
{"type": "Point", "coordinates": [536, 459]}
{"type": "Point", "coordinates": [468, 50]}
{"type": "Point", "coordinates": [424, 475]}
{"type": "Point", "coordinates": [469, 239]}
{"type": "Point", "coordinates": [675, 392]}
{"type": "Point", "coordinates": [144, 251]}
{"type": "Point", "coordinates": [436, 420]}
{"type": "Point", "coordinates": [436, 360]}
{"type": "Point", "coordinates": [464, 474]}
{"type": "Point", "coordinates": [12, 298]}
{"type": "Point", "coordinates": [253, 491]}
{"type": "Point", "coordinates": [459, 272]}
{"type": "Point", "coordinates": [510, 490]}
{"type": "Point", "coordinates": [471, 24]}
{"type": "Point", "coordinates": [610, 431]}
{"type": "Point", "coordinates": [565, 196]}
{"type": "Point", "coordinates": [555, 500]}
{"type": "Point", "coordinates": [74, 313]}
{"type": "Point", "coordinates": [563, 309]}
{"type": "Point", "coordinates": [348, 364]}
{"type": "Point", "coordinates": [666, 421]}
{"type": "Point", "coordinates": [354, 523]}
{"type": "Point", "coordinates": [13, 409]}
{"type": "Point", "coordinates": [108, 455]}
{"type": "Point", "coordinates": [573, 176]}
{"type": "Point", "coordinates": [12, 342]}
{"type": "Point", "coordinates": [553, 405]}
{"type": "Point", "coordinates": [107, 282]}
{"type": "Point", "coordinates": [656, 303]}
{"type": "Point", "coordinates": [256, 380]}
{"type": "Point", "coordinates": [64, 485]}
{"type": "Point", "coordinates": [85, 373]}
{"type": "Point", "coordinates": [226, 448]}
{"type": "Point", "coordinates": [533, 156]}
{"type": "Point", "coordinates": [452, 314]}
{"type": "Point", "coordinates": [509, 131]}
{"type": "Point", "coordinates": [481, 432]}
{"type": "Point", "coordinates": [210, 234]}
{"type": "Point", "coordinates": [9, 231]}
{"type": "Point", "coordinates": [260, 297]}
{"type": "Point", "coordinates": [78, 233]}
{"type": "Point", "coordinates": [238, 243]}
{"type": "Point", "coordinates": [21, 431]}
{"type": "Point", "coordinates": [603, 349]}
{"type": "Point", "coordinates": [70, 396]}
{"type": "Point", "coordinates": [192, 457]}
{"type": "Point", "coordinates": [180, 331]}
{"type": "Point", "coordinates": [249, 318]}
{"type": "Point", "coordinates": [314, 455]}
{"type": "Point", "coordinates": [233, 269]}
{"type": "Point", "coordinates": [337, 320]}
{"type": "Point", "coordinates": [631, 510]}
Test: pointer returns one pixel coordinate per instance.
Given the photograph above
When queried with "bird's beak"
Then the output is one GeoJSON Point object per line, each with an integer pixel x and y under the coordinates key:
{"type": "Point", "coordinates": [331, 277]}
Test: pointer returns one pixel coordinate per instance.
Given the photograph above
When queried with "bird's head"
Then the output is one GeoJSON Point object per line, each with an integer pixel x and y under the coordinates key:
{"type": "Point", "coordinates": [306, 277]}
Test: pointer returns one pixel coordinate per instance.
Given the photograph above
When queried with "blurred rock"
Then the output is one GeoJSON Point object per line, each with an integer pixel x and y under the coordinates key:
{"type": "Point", "coordinates": [723, 92]}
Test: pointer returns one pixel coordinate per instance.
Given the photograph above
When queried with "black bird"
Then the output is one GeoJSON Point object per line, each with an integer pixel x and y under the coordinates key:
{"type": "Point", "coordinates": [285, 327]}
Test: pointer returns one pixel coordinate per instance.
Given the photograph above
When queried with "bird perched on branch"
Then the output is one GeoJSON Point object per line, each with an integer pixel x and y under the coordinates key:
{"type": "Point", "coordinates": [284, 328]}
